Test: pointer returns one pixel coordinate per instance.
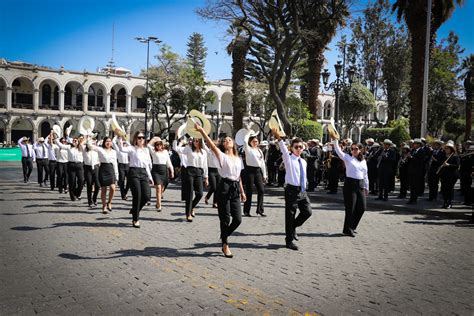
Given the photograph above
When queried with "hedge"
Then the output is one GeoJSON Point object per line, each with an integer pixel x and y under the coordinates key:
{"type": "Point", "coordinates": [378, 134]}
{"type": "Point", "coordinates": [309, 130]}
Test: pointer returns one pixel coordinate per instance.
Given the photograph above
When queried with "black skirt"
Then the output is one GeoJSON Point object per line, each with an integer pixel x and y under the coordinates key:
{"type": "Point", "coordinates": [159, 174]}
{"type": "Point", "coordinates": [106, 174]}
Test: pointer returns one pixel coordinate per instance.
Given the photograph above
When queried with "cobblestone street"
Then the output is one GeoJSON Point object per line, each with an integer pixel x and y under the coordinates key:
{"type": "Point", "coordinates": [60, 257]}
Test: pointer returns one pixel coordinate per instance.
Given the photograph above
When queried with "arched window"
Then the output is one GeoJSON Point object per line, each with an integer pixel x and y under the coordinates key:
{"type": "Point", "coordinates": [91, 97]}
{"type": "Point", "coordinates": [79, 92]}
{"type": "Point", "coordinates": [68, 96]}
{"type": "Point", "coordinates": [46, 95]}
{"type": "Point", "coordinates": [327, 109]}
{"type": "Point", "coordinates": [56, 96]}
{"type": "Point", "coordinates": [100, 97]}
{"type": "Point", "coordinates": [121, 98]}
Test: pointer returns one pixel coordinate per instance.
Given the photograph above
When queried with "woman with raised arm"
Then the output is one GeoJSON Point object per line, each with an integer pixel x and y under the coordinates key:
{"type": "Point", "coordinates": [75, 168]}
{"type": "Point", "coordinates": [91, 174]}
{"type": "Point", "coordinates": [108, 172]}
{"type": "Point", "coordinates": [139, 175]}
{"type": "Point", "coordinates": [213, 173]}
{"type": "Point", "coordinates": [356, 186]}
{"type": "Point", "coordinates": [162, 166]}
{"type": "Point", "coordinates": [230, 191]}
{"type": "Point", "coordinates": [196, 174]}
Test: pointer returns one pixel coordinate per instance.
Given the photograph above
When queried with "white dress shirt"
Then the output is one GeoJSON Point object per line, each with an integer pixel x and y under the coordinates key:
{"type": "Point", "coordinates": [193, 158]}
{"type": "Point", "coordinates": [73, 153]}
{"type": "Point", "coordinates": [61, 154]}
{"type": "Point", "coordinates": [355, 169]}
{"type": "Point", "coordinates": [91, 158]}
{"type": "Point", "coordinates": [106, 156]}
{"type": "Point", "coordinates": [292, 166]}
{"type": "Point", "coordinates": [121, 157]}
{"type": "Point", "coordinates": [229, 167]}
{"type": "Point", "coordinates": [51, 150]}
{"type": "Point", "coordinates": [254, 156]}
{"type": "Point", "coordinates": [26, 149]}
{"type": "Point", "coordinates": [139, 157]}
{"type": "Point", "coordinates": [160, 157]}
{"type": "Point", "coordinates": [182, 158]}
{"type": "Point", "coordinates": [41, 150]}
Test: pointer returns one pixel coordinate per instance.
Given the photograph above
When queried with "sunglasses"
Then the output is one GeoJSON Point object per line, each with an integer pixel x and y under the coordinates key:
{"type": "Point", "coordinates": [141, 137]}
{"type": "Point", "coordinates": [298, 147]}
{"type": "Point", "coordinates": [354, 148]}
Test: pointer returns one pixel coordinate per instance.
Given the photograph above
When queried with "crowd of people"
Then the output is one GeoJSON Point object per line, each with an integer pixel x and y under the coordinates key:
{"type": "Point", "coordinates": [232, 174]}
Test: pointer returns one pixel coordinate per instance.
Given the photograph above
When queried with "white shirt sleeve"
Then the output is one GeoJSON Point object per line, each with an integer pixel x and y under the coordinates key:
{"type": "Point", "coordinates": [339, 152]}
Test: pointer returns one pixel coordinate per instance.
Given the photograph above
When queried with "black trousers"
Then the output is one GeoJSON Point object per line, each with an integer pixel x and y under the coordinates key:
{"type": "Point", "coordinates": [123, 169]}
{"type": "Point", "coordinates": [447, 188]}
{"type": "Point", "coordinates": [372, 174]}
{"type": "Point", "coordinates": [214, 179]}
{"type": "Point", "coordinates": [184, 186]}
{"type": "Point", "coordinates": [294, 200]}
{"type": "Point", "coordinates": [466, 184]}
{"type": "Point", "coordinates": [92, 179]}
{"type": "Point", "coordinates": [433, 184]}
{"type": "Point", "coordinates": [229, 207]}
{"type": "Point", "coordinates": [417, 182]}
{"type": "Point", "coordinates": [27, 165]}
{"type": "Point", "coordinates": [404, 183]}
{"type": "Point", "coordinates": [63, 178]}
{"type": "Point", "coordinates": [333, 179]}
{"type": "Point", "coordinates": [354, 202]}
{"type": "Point", "coordinates": [140, 187]}
{"type": "Point", "coordinates": [75, 175]}
{"type": "Point", "coordinates": [42, 166]}
{"type": "Point", "coordinates": [385, 178]}
{"type": "Point", "coordinates": [253, 177]}
{"type": "Point", "coordinates": [193, 186]}
{"type": "Point", "coordinates": [52, 173]}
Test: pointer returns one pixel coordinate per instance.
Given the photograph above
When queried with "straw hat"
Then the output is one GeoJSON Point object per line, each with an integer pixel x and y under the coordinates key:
{"type": "Point", "coordinates": [417, 141]}
{"type": "Point", "coordinates": [388, 142]}
{"type": "Point", "coordinates": [195, 116]}
{"type": "Point", "coordinates": [369, 140]}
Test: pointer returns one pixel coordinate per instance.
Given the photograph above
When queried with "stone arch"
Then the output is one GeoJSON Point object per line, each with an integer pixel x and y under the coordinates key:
{"type": "Point", "coordinates": [3, 93]}
{"type": "Point", "coordinates": [136, 126]}
{"type": "Point", "coordinates": [73, 96]}
{"type": "Point", "coordinates": [226, 103]}
{"type": "Point", "coordinates": [213, 133]}
{"type": "Point", "coordinates": [212, 106]}
{"type": "Point", "coordinates": [118, 98]}
{"type": "Point", "coordinates": [226, 129]}
{"type": "Point", "coordinates": [74, 131]}
{"type": "Point", "coordinates": [327, 110]}
{"type": "Point", "coordinates": [355, 134]}
{"type": "Point", "coordinates": [49, 94]}
{"type": "Point", "coordinates": [22, 93]}
{"type": "Point", "coordinates": [44, 127]}
{"type": "Point", "coordinates": [3, 130]}
{"type": "Point", "coordinates": [139, 99]}
{"type": "Point", "coordinates": [96, 95]}
{"type": "Point", "coordinates": [325, 133]}
{"type": "Point", "coordinates": [100, 128]}
{"type": "Point", "coordinates": [20, 127]}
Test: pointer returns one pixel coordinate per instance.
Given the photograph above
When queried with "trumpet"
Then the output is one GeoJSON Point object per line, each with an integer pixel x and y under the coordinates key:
{"type": "Point", "coordinates": [441, 167]}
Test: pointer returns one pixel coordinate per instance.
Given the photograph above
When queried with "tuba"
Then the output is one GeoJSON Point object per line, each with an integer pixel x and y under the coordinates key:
{"type": "Point", "coordinates": [117, 129]}
{"type": "Point", "coordinates": [333, 133]}
{"type": "Point", "coordinates": [274, 122]}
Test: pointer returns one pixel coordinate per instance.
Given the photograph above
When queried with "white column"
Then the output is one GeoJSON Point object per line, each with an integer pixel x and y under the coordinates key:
{"type": "Point", "coordinates": [9, 98]}
{"type": "Point", "coordinates": [128, 103]}
{"type": "Point", "coordinates": [85, 101]}
{"type": "Point", "coordinates": [61, 101]}
{"type": "Point", "coordinates": [107, 103]}
{"type": "Point", "coordinates": [36, 100]}
{"type": "Point", "coordinates": [219, 105]}
{"type": "Point", "coordinates": [8, 134]}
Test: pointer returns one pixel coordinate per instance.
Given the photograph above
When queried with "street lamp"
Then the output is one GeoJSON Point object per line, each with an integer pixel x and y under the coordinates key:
{"type": "Point", "coordinates": [337, 85]}
{"type": "Point", "coordinates": [147, 40]}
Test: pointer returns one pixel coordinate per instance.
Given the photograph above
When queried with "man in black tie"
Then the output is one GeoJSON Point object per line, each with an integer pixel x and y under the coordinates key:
{"type": "Point", "coordinates": [416, 171]}
{"type": "Point", "coordinates": [438, 156]}
{"type": "Point", "coordinates": [42, 162]}
{"type": "Point", "coordinates": [386, 161]}
{"type": "Point", "coordinates": [27, 157]}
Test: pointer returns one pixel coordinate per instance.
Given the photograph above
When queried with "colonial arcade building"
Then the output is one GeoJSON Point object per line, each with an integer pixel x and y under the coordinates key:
{"type": "Point", "coordinates": [34, 98]}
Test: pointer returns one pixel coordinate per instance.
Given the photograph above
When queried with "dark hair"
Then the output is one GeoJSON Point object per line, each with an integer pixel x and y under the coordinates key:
{"type": "Point", "coordinates": [135, 137]}
{"type": "Point", "coordinates": [296, 140]}
{"type": "Point", "coordinates": [193, 147]}
{"type": "Point", "coordinates": [235, 151]}
{"type": "Point", "coordinates": [360, 156]}
{"type": "Point", "coordinates": [251, 138]}
{"type": "Point", "coordinates": [104, 140]}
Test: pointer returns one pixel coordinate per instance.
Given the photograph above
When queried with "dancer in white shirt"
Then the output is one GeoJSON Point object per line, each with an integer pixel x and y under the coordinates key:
{"type": "Point", "coordinates": [139, 175]}
{"type": "Point", "coordinates": [75, 168]}
{"type": "Point", "coordinates": [230, 191]}
{"type": "Point", "coordinates": [28, 156]}
{"type": "Point", "coordinates": [62, 157]}
{"type": "Point", "coordinates": [213, 175]}
{"type": "Point", "coordinates": [108, 172]}
{"type": "Point", "coordinates": [53, 161]}
{"type": "Point", "coordinates": [255, 173]}
{"type": "Point", "coordinates": [42, 162]}
{"type": "Point", "coordinates": [196, 174]}
{"type": "Point", "coordinates": [161, 168]}
{"type": "Point", "coordinates": [296, 196]}
{"type": "Point", "coordinates": [123, 168]}
{"type": "Point", "coordinates": [91, 174]}
{"type": "Point", "coordinates": [356, 186]}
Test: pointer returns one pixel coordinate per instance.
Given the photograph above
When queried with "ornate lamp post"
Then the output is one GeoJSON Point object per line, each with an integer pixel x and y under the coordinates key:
{"type": "Point", "coordinates": [337, 85]}
{"type": "Point", "coordinates": [147, 40]}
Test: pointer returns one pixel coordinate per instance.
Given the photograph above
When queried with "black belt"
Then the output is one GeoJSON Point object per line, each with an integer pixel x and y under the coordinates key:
{"type": "Point", "coordinates": [41, 159]}
{"type": "Point", "coordinates": [294, 187]}
{"type": "Point", "coordinates": [230, 180]}
{"type": "Point", "coordinates": [192, 167]}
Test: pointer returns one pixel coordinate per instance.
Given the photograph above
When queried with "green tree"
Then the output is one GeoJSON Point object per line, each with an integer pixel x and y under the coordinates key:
{"type": "Point", "coordinates": [298, 113]}
{"type": "Point", "coordinates": [467, 71]}
{"type": "Point", "coordinates": [355, 101]}
{"type": "Point", "coordinates": [414, 13]}
{"type": "Point", "coordinates": [196, 53]}
{"type": "Point", "coordinates": [261, 105]}
{"type": "Point", "coordinates": [454, 127]}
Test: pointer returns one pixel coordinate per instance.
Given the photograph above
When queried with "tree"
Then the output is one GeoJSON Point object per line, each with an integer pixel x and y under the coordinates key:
{"type": "Point", "coordinates": [395, 72]}
{"type": "Point", "coordinates": [355, 101]}
{"type": "Point", "coordinates": [175, 88]}
{"type": "Point", "coordinates": [196, 53]}
{"type": "Point", "coordinates": [455, 127]}
{"type": "Point", "coordinates": [298, 113]}
{"type": "Point", "coordinates": [467, 71]}
{"type": "Point", "coordinates": [442, 95]}
{"type": "Point", "coordinates": [261, 105]}
{"type": "Point", "coordinates": [318, 21]}
{"type": "Point", "coordinates": [414, 13]}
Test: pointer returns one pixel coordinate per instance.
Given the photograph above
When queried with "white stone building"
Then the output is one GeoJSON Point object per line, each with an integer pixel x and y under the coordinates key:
{"type": "Point", "coordinates": [34, 98]}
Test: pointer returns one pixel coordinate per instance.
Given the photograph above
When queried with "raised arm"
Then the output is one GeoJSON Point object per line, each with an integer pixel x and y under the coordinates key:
{"type": "Point", "coordinates": [120, 147]}
{"type": "Point", "coordinates": [62, 146]}
{"type": "Point", "coordinates": [339, 152]}
{"type": "Point", "coordinates": [209, 141]}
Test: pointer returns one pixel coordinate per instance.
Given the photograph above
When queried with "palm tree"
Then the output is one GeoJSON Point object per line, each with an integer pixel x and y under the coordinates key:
{"type": "Point", "coordinates": [238, 49]}
{"type": "Point", "coordinates": [467, 70]}
{"type": "Point", "coordinates": [414, 13]}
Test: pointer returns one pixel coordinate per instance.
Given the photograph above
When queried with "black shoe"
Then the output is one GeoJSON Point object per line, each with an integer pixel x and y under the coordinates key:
{"type": "Point", "coordinates": [379, 198]}
{"type": "Point", "coordinates": [385, 199]}
{"type": "Point", "coordinates": [78, 198]}
{"type": "Point", "coordinates": [401, 197]}
{"type": "Point", "coordinates": [41, 184]}
{"type": "Point", "coordinates": [247, 215]}
{"type": "Point", "coordinates": [295, 236]}
{"type": "Point", "coordinates": [449, 206]}
{"type": "Point", "coordinates": [25, 181]}
{"type": "Point", "coordinates": [411, 202]}
{"type": "Point", "coordinates": [291, 245]}
{"type": "Point", "coordinates": [261, 214]}
{"type": "Point", "coordinates": [349, 233]}
{"type": "Point", "coordinates": [73, 199]}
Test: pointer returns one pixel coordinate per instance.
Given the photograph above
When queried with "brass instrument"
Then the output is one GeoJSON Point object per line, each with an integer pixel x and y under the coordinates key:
{"type": "Point", "coordinates": [441, 167]}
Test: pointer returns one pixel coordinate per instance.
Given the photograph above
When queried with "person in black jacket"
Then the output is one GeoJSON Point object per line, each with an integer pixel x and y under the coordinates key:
{"type": "Point", "coordinates": [437, 158]}
{"type": "Point", "coordinates": [372, 160]}
{"type": "Point", "coordinates": [416, 169]}
{"type": "Point", "coordinates": [403, 165]}
{"type": "Point", "coordinates": [449, 174]}
{"type": "Point", "coordinates": [385, 166]}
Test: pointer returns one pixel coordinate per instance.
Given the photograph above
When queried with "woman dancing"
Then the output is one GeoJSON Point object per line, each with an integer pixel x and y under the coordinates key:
{"type": "Point", "coordinates": [229, 191]}
{"type": "Point", "coordinates": [91, 174]}
{"type": "Point", "coordinates": [213, 174]}
{"type": "Point", "coordinates": [161, 167]}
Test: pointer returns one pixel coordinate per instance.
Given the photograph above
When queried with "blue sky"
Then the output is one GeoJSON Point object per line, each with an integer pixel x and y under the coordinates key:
{"type": "Point", "coordinates": [78, 34]}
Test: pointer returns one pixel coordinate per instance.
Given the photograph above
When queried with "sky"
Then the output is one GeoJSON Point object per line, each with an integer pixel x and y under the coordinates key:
{"type": "Point", "coordinates": [78, 34]}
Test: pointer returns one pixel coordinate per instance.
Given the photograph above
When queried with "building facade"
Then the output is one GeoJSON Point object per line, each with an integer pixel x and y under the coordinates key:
{"type": "Point", "coordinates": [33, 99]}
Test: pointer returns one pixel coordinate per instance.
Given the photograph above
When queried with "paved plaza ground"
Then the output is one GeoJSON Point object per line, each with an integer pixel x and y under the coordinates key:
{"type": "Point", "coordinates": [60, 257]}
